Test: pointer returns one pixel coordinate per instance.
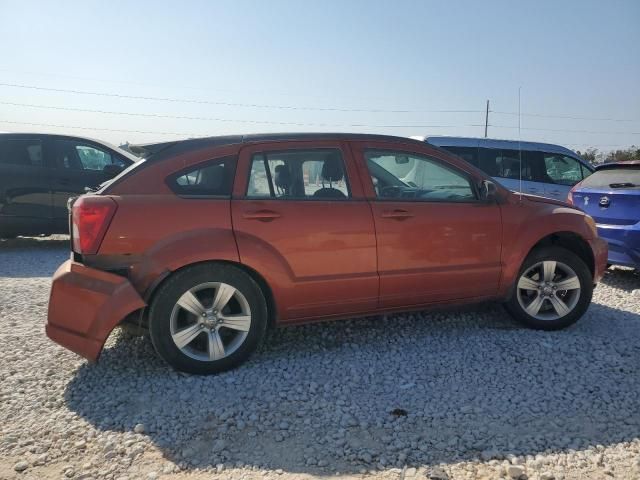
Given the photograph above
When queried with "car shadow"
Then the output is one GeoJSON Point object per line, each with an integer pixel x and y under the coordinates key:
{"type": "Point", "coordinates": [23, 257]}
{"type": "Point", "coordinates": [315, 397]}
{"type": "Point", "coordinates": [623, 278]}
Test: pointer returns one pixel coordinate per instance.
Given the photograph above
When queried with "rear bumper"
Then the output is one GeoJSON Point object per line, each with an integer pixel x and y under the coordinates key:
{"type": "Point", "coordinates": [624, 243]}
{"type": "Point", "coordinates": [85, 305]}
{"type": "Point", "coordinates": [600, 253]}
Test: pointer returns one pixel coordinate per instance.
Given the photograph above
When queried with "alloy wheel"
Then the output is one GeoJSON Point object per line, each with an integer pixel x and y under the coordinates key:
{"type": "Point", "coordinates": [210, 321]}
{"type": "Point", "coordinates": [548, 290]}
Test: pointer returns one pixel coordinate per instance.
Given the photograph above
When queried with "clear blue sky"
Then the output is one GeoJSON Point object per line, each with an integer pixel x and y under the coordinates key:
{"type": "Point", "coordinates": [578, 58]}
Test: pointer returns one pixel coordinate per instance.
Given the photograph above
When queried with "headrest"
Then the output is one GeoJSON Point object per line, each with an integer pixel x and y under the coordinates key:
{"type": "Point", "coordinates": [332, 169]}
{"type": "Point", "coordinates": [282, 177]}
{"type": "Point", "coordinates": [212, 177]}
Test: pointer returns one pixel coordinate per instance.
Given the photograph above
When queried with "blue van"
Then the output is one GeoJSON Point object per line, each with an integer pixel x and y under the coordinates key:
{"type": "Point", "coordinates": [547, 170]}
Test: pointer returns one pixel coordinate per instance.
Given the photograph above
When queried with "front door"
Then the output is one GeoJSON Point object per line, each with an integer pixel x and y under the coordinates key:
{"type": "Point", "coordinates": [300, 218]}
{"type": "Point", "coordinates": [436, 240]}
{"type": "Point", "coordinates": [79, 164]}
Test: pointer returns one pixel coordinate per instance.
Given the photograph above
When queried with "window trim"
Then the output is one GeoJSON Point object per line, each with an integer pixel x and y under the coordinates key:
{"type": "Point", "coordinates": [265, 153]}
{"type": "Point", "coordinates": [170, 180]}
{"type": "Point", "coordinates": [470, 178]}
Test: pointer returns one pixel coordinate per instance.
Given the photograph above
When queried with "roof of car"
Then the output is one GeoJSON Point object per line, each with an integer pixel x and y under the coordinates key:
{"type": "Point", "coordinates": [623, 164]}
{"type": "Point", "coordinates": [165, 149]}
{"type": "Point", "coordinates": [444, 141]}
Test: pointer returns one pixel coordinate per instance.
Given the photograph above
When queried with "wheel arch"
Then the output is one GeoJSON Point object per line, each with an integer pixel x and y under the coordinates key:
{"type": "Point", "coordinates": [255, 276]}
{"type": "Point", "coordinates": [570, 241]}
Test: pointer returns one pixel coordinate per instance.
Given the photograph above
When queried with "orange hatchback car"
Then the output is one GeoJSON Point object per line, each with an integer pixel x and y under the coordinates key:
{"type": "Point", "coordinates": [208, 242]}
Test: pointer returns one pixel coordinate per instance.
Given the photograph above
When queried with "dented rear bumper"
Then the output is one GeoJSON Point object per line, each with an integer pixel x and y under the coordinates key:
{"type": "Point", "coordinates": [85, 305]}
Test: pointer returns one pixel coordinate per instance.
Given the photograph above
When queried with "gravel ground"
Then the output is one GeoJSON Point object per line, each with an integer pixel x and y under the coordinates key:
{"type": "Point", "coordinates": [462, 394]}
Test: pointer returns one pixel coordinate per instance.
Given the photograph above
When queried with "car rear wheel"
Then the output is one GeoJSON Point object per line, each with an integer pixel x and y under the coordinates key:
{"type": "Point", "coordinates": [553, 289]}
{"type": "Point", "coordinates": [207, 318]}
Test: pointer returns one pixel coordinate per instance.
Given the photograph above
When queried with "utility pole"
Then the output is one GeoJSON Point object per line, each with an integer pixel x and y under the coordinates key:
{"type": "Point", "coordinates": [486, 120]}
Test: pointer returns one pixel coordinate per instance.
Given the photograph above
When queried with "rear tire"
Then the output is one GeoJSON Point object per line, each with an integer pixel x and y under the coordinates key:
{"type": "Point", "coordinates": [207, 318]}
{"type": "Point", "coordinates": [538, 299]}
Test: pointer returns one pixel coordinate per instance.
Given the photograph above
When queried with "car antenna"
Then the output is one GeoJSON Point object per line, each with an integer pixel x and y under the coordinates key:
{"type": "Point", "coordinates": [519, 145]}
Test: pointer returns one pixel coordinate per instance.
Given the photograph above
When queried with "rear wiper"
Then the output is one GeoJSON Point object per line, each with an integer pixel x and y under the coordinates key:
{"type": "Point", "coordinates": [623, 185]}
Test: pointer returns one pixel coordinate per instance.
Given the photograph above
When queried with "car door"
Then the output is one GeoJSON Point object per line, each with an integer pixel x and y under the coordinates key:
{"type": "Point", "coordinates": [561, 173]}
{"type": "Point", "coordinates": [79, 164]}
{"type": "Point", "coordinates": [25, 186]}
{"type": "Point", "coordinates": [504, 166]}
{"type": "Point", "coordinates": [300, 219]}
{"type": "Point", "coordinates": [436, 240]}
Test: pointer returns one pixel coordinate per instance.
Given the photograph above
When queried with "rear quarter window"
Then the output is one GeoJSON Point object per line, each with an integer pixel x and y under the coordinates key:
{"type": "Point", "coordinates": [209, 179]}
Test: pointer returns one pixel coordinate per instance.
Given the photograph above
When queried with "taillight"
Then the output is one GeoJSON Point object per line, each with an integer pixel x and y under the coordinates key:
{"type": "Point", "coordinates": [90, 218]}
{"type": "Point", "coordinates": [570, 196]}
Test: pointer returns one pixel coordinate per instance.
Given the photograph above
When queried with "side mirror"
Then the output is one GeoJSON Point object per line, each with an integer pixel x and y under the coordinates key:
{"type": "Point", "coordinates": [112, 170]}
{"type": "Point", "coordinates": [488, 191]}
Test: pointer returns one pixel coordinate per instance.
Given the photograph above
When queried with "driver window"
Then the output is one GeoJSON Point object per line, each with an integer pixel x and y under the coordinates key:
{"type": "Point", "coordinates": [406, 176]}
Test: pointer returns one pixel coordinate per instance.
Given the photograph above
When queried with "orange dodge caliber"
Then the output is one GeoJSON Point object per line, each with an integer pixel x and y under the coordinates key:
{"type": "Point", "coordinates": [208, 242]}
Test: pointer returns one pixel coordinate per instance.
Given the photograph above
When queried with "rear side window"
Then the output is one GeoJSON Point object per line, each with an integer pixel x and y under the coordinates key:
{"type": "Point", "coordinates": [469, 154]}
{"type": "Point", "coordinates": [505, 163]}
{"type": "Point", "coordinates": [298, 174]}
{"type": "Point", "coordinates": [21, 151]}
{"type": "Point", "coordinates": [624, 178]}
{"type": "Point", "coordinates": [210, 179]}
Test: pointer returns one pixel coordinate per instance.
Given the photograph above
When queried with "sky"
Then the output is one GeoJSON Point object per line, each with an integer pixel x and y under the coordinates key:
{"type": "Point", "coordinates": [402, 67]}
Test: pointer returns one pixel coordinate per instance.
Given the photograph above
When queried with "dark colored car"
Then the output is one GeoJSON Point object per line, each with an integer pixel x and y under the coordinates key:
{"type": "Point", "coordinates": [39, 172]}
{"type": "Point", "coordinates": [612, 197]}
{"type": "Point", "coordinates": [209, 241]}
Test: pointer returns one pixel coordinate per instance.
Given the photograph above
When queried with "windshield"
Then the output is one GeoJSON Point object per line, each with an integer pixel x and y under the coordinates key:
{"type": "Point", "coordinates": [613, 178]}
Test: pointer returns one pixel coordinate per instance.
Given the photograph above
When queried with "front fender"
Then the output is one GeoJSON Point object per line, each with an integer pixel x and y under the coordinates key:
{"type": "Point", "coordinates": [526, 223]}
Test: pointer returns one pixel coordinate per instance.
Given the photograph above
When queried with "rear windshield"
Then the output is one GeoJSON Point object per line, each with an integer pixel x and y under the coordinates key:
{"type": "Point", "coordinates": [614, 178]}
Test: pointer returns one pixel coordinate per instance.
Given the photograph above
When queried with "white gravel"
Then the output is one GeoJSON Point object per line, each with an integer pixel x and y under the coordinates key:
{"type": "Point", "coordinates": [473, 396]}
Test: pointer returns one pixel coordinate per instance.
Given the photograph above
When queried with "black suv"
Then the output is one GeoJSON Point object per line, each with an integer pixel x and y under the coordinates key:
{"type": "Point", "coordinates": [39, 172]}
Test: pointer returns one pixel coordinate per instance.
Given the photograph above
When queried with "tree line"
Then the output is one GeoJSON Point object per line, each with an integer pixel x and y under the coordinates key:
{"type": "Point", "coordinates": [595, 156]}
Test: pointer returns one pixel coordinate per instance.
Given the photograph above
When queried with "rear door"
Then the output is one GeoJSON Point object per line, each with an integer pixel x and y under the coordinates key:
{"type": "Point", "coordinates": [25, 186]}
{"type": "Point", "coordinates": [300, 219]}
{"type": "Point", "coordinates": [436, 240]}
{"type": "Point", "coordinates": [79, 164]}
{"type": "Point", "coordinates": [504, 165]}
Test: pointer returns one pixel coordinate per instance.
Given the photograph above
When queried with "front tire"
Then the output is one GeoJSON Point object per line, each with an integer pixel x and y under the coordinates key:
{"type": "Point", "coordinates": [207, 318]}
{"type": "Point", "coordinates": [553, 289]}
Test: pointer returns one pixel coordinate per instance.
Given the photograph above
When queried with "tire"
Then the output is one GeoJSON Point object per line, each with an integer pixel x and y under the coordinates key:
{"type": "Point", "coordinates": [207, 352]}
{"type": "Point", "coordinates": [551, 314]}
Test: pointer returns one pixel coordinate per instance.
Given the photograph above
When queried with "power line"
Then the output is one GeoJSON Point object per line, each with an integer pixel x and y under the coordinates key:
{"type": "Point", "coordinates": [101, 129]}
{"type": "Point", "coordinates": [565, 130]}
{"type": "Point", "coordinates": [228, 120]}
{"type": "Point", "coordinates": [296, 124]}
{"type": "Point", "coordinates": [229, 104]}
{"type": "Point", "coordinates": [567, 117]}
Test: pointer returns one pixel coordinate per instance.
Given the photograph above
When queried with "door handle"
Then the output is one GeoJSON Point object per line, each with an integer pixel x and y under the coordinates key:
{"type": "Point", "coordinates": [397, 214]}
{"type": "Point", "coordinates": [261, 215]}
{"type": "Point", "coordinates": [64, 181]}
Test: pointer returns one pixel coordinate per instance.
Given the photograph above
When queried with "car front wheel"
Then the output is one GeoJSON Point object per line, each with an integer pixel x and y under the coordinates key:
{"type": "Point", "coordinates": [553, 289]}
{"type": "Point", "coordinates": [207, 318]}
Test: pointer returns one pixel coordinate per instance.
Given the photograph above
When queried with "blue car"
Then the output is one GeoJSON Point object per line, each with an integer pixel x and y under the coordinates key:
{"type": "Point", "coordinates": [612, 197]}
